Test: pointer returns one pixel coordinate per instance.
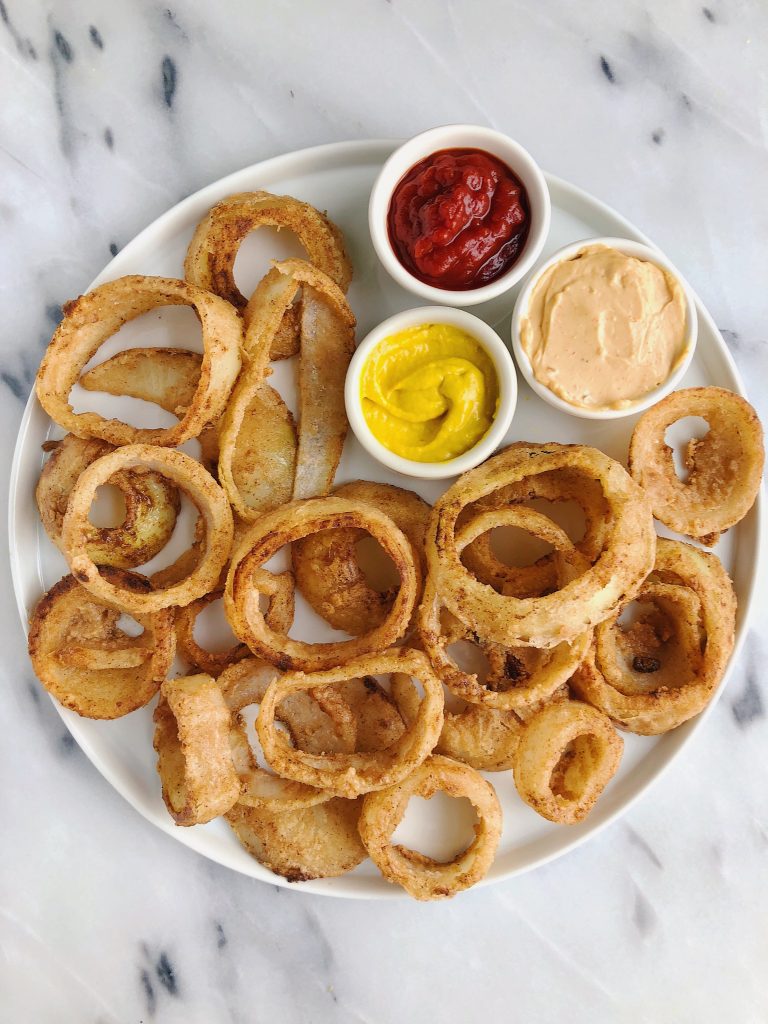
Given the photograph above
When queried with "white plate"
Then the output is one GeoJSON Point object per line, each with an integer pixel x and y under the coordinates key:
{"type": "Point", "coordinates": [338, 178]}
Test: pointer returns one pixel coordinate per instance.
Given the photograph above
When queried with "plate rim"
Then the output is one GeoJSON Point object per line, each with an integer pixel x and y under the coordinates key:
{"type": "Point", "coordinates": [345, 152]}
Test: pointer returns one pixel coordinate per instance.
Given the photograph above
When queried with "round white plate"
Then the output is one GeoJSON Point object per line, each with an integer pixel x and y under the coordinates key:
{"type": "Point", "coordinates": [338, 178]}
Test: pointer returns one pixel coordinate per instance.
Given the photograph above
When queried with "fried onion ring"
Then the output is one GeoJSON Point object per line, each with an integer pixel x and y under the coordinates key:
{"type": "Point", "coordinates": [351, 774]}
{"type": "Point", "coordinates": [193, 756]}
{"type": "Point", "coordinates": [326, 565]}
{"type": "Point", "coordinates": [93, 318]}
{"type": "Point", "coordinates": [212, 506]}
{"type": "Point", "coordinates": [662, 690]}
{"type": "Point", "coordinates": [624, 562]}
{"type": "Point", "coordinates": [420, 876]}
{"type": "Point", "coordinates": [151, 505]}
{"type": "Point", "coordinates": [374, 715]}
{"type": "Point", "coordinates": [724, 467]}
{"type": "Point", "coordinates": [273, 469]}
{"type": "Point", "coordinates": [319, 841]}
{"type": "Point", "coordinates": [309, 727]}
{"type": "Point", "coordinates": [521, 675]}
{"type": "Point", "coordinates": [247, 579]}
{"type": "Point", "coordinates": [567, 755]}
{"type": "Point", "coordinates": [86, 661]}
{"type": "Point", "coordinates": [210, 258]}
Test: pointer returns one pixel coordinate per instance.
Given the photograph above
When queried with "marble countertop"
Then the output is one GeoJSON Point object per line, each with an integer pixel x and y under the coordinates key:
{"type": "Point", "coordinates": [111, 114]}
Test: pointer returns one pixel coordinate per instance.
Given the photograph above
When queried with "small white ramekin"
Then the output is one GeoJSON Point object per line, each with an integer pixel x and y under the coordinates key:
{"type": "Point", "coordinates": [460, 136]}
{"type": "Point", "coordinates": [505, 371]}
{"type": "Point", "coordinates": [630, 248]}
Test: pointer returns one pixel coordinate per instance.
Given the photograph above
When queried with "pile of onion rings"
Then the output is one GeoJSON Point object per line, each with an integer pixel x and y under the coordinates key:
{"type": "Point", "coordinates": [452, 660]}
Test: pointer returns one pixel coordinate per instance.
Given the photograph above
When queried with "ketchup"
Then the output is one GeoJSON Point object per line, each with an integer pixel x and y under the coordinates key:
{"type": "Point", "coordinates": [458, 219]}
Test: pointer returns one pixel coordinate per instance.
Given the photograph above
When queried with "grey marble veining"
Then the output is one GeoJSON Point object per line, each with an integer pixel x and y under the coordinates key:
{"type": "Point", "coordinates": [113, 112]}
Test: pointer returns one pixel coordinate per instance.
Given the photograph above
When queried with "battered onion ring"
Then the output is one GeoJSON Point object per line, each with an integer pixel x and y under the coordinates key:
{"type": "Point", "coordinates": [319, 841]}
{"type": "Point", "coordinates": [245, 684]}
{"type": "Point", "coordinates": [724, 467]}
{"type": "Point", "coordinates": [623, 564]}
{"type": "Point", "coordinates": [481, 737]}
{"type": "Point", "coordinates": [193, 756]}
{"type": "Point", "coordinates": [534, 674]}
{"type": "Point", "coordinates": [168, 377]}
{"type": "Point", "coordinates": [420, 876]}
{"type": "Point", "coordinates": [246, 580]}
{"type": "Point", "coordinates": [327, 568]}
{"type": "Point", "coordinates": [631, 698]}
{"type": "Point", "coordinates": [151, 505]}
{"type": "Point", "coordinates": [93, 318]}
{"type": "Point", "coordinates": [351, 774]}
{"type": "Point", "coordinates": [187, 474]}
{"type": "Point", "coordinates": [106, 673]}
{"type": "Point", "coordinates": [210, 258]}
{"type": "Point", "coordinates": [327, 342]}
{"type": "Point", "coordinates": [567, 755]}
{"type": "Point", "coordinates": [279, 616]}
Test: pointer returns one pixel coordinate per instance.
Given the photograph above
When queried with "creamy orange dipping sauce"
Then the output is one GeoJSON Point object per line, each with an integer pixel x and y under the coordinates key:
{"type": "Point", "coordinates": [602, 329]}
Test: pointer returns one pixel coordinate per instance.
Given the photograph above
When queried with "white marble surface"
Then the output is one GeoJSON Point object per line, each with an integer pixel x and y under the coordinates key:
{"type": "Point", "coordinates": [112, 112]}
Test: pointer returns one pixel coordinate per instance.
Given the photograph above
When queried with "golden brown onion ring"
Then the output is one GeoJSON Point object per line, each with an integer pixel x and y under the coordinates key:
{"type": "Point", "coordinates": [632, 698]}
{"type": "Point", "coordinates": [422, 877]}
{"type": "Point", "coordinates": [521, 675]}
{"type": "Point", "coordinates": [351, 774]}
{"type": "Point", "coordinates": [193, 756]}
{"type": "Point", "coordinates": [310, 728]}
{"type": "Point", "coordinates": [93, 318]}
{"type": "Point", "coordinates": [168, 377]}
{"type": "Point", "coordinates": [724, 467]}
{"type": "Point", "coordinates": [373, 714]}
{"type": "Point", "coordinates": [625, 561]}
{"type": "Point", "coordinates": [212, 506]}
{"type": "Point", "coordinates": [567, 755]}
{"type": "Point", "coordinates": [83, 658]}
{"type": "Point", "coordinates": [151, 505]}
{"type": "Point", "coordinates": [319, 841]}
{"type": "Point", "coordinates": [327, 568]}
{"type": "Point", "coordinates": [247, 579]}
{"type": "Point", "coordinates": [279, 616]}
{"type": "Point", "coordinates": [210, 258]}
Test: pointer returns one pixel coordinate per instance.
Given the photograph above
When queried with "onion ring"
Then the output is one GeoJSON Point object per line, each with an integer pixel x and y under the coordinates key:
{"type": "Point", "coordinates": [374, 715]}
{"type": "Point", "coordinates": [309, 726]}
{"type": "Point", "coordinates": [523, 675]}
{"type": "Point", "coordinates": [567, 755]}
{"type": "Point", "coordinates": [351, 774]}
{"type": "Point", "coordinates": [106, 673]}
{"type": "Point", "coordinates": [279, 616]}
{"type": "Point", "coordinates": [187, 474]}
{"type": "Point", "coordinates": [326, 565]}
{"type": "Point", "coordinates": [633, 698]}
{"type": "Point", "coordinates": [420, 876]}
{"type": "Point", "coordinates": [319, 841]}
{"type": "Point", "coordinates": [327, 341]}
{"type": "Point", "coordinates": [246, 580]}
{"type": "Point", "coordinates": [151, 505]}
{"type": "Point", "coordinates": [167, 377]}
{"type": "Point", "coordinates": [193, 756]}
{"type": "Point", "coordinates": [93, 318]}
{"type": "Point", "coordinates": [210, 258]}
{"type": "Point", "coordinates": [724, 467]}
{"type": "Point", "coordinates": [623, 564]}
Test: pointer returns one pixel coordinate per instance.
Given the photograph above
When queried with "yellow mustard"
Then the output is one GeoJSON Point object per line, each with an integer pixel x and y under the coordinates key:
{"type": "Point", "coordinates": [429, 393]}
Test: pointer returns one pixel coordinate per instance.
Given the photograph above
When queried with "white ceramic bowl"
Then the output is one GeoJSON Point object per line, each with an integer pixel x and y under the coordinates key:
{"type": "Point", "coordinates": [630, 248]}
{"type": "Point", "coordinates": [505, 371]}
{"type": "Point", "coordinates": [460, 136]}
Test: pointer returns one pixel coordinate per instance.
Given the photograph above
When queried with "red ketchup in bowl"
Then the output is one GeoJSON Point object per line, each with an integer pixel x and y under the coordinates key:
{"type": "Point", "coordinates": [458, 219]}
